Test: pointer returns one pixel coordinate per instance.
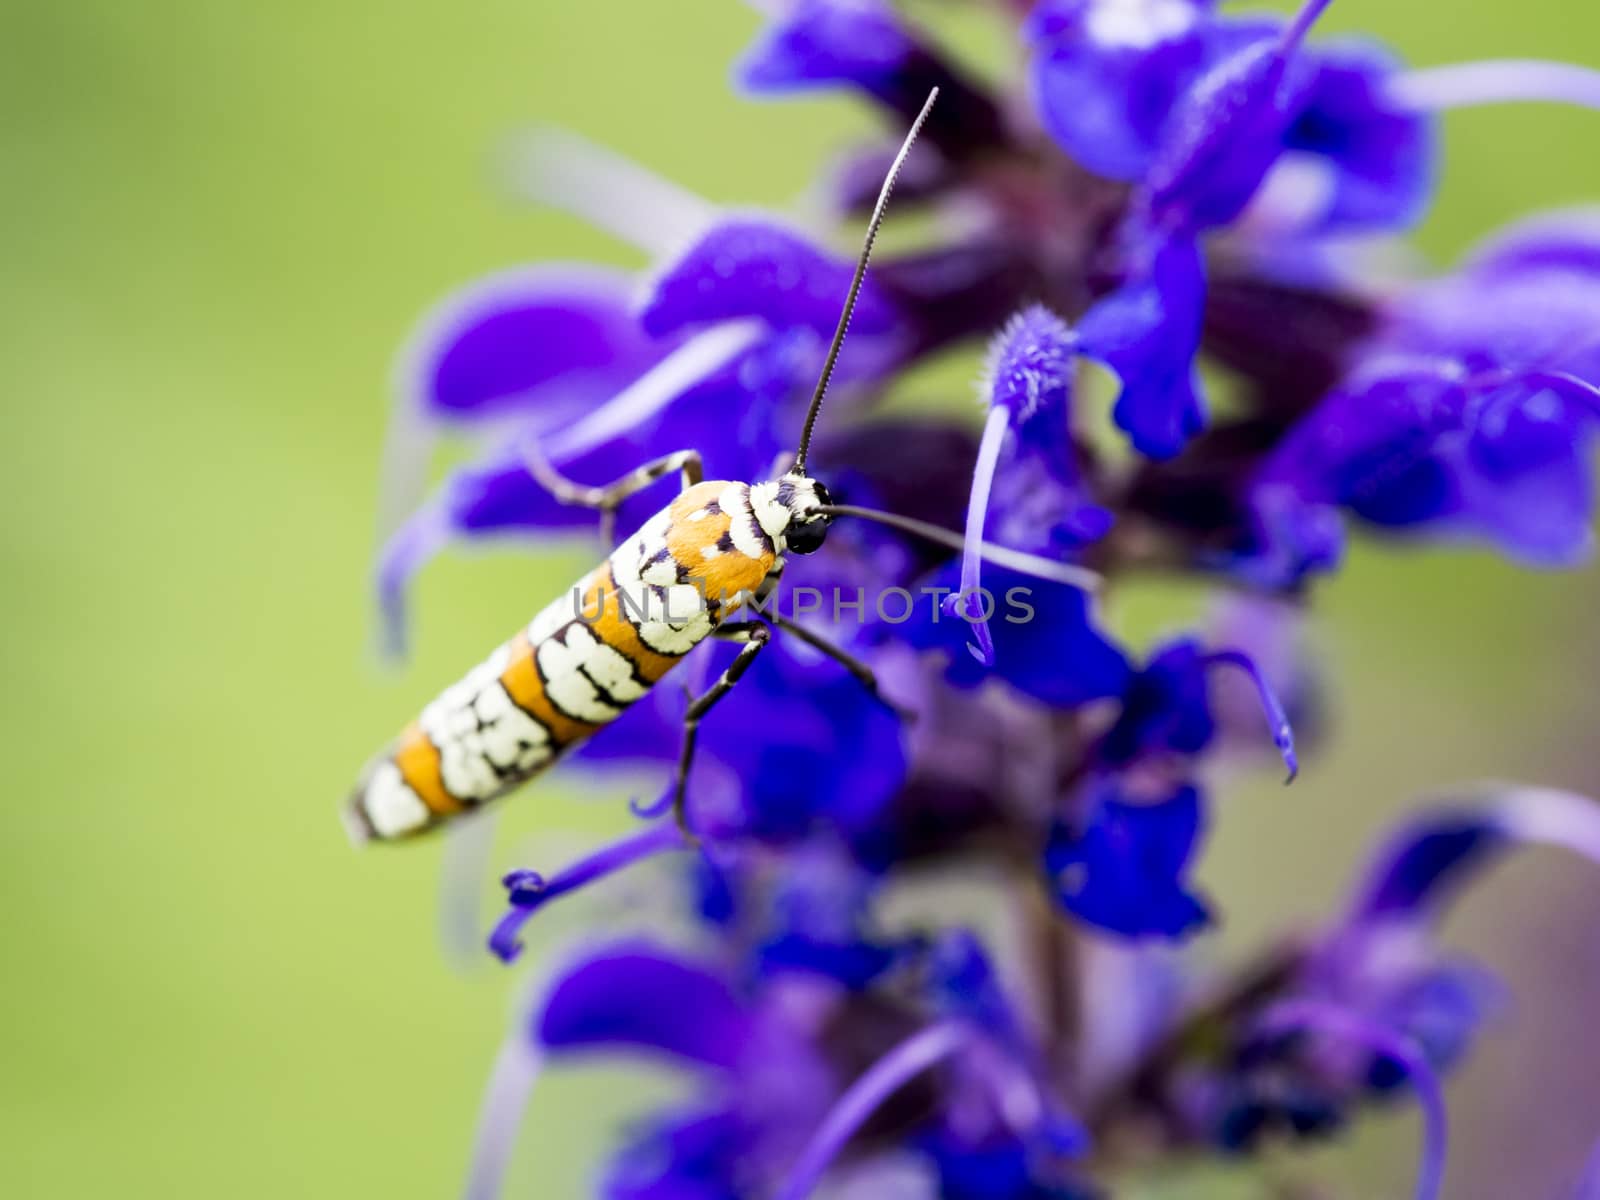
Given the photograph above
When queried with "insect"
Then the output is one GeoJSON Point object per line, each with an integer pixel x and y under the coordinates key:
{"type": "Point", "coordinates": [675, 583]}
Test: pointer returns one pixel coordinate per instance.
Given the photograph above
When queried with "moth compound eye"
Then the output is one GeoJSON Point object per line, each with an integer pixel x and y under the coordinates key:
{"type": "Point", "coordinates": [807, 538]}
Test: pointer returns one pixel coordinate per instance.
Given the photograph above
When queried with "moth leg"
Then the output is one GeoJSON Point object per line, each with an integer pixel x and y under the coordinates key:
{"type": "Point", "coordinates": [607, 499]}
{"type": "Point", "coordinates": [755, 636]}
{"type": "Point", "coordinates": [845, 659]}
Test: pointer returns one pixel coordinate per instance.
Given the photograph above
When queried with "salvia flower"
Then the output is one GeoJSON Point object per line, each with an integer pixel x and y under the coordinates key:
{"type": "Point", "coordinates": [1371, 1005]}
{"type": "Point", "coordinates": [1460, 419]}
{"type": "Point", "coordinates": [929, 931]}
{"type": "Point", "coordinates": [1127, 870]}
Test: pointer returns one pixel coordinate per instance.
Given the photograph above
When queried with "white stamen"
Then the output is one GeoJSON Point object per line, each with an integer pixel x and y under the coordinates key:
{"type": "Point", "coordinates": [657, 387]}
{"type": "Point", "coordinates": [1553, 818]}
{"type": "Point", "coordinates": [1495, 81]}
{"type": "Point", "coordinates": [606, 189]}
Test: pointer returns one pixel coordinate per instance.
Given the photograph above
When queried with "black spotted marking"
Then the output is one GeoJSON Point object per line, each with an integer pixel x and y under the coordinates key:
{"type": "Point", "coordinates": [509, 772]}
{"type": "Point", "coordinates": [762, 536]}
{"type": "Point", "coordinates": [502, 772]}
{"type": "Point", "coordinates": [681, 571]}
{"type": "Point", "coordinates": [600, 689]}
{"type": "Point", "coordinates": [725, 543]}
{"type": "Point", "coordinates": [786, 492]}
{"type": "Point", "coordinates": [631, 607]}
{"type": "Point", "coordinates": [759, 534]}
{"type": "Point", "coordinates": [482, 725]}
{"type": "Point", "coordinates": [673, 618]}
{"type": "Point", "coordinates": [544, 680]}
{"type": "Point", "coordinates": [634, 670]}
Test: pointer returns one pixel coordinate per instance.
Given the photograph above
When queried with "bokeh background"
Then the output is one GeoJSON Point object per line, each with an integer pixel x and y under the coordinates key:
{"type": "Point", "coordinates": [218, 221]}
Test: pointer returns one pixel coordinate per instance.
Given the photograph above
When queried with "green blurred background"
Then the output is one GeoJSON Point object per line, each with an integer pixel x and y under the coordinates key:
{"type": "Point", "coordinates": [218, 223]}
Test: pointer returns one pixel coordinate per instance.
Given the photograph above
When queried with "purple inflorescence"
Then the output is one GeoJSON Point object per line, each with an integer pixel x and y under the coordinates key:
{"type": "Point", "coordinates": [1155, 195]}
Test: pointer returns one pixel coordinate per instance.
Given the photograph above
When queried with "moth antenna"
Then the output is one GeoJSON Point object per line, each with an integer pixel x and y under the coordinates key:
{"type": "Point", "coordinates": [843, 327]}
{"type": "Point", "coordinates": [1000, 556]}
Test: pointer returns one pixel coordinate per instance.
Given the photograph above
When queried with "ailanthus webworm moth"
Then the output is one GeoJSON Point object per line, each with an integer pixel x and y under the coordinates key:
{"type": "Point", "coordinates": [663, 591]}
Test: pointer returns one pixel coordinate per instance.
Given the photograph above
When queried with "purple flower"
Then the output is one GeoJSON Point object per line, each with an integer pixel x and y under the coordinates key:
{"type": "Point", "coordinates": [1212, 107]}
{"type": "Point", "coordinates": [1166, 708]}
{"type": "Point", "coordinates": [1545, 270]}
{"type": "Point", "coordinates": [1106, 75]}
{"type": "Point", "coordinates": [1125, 87]}
{"type": "Point", "coordinates": [1122, 859]}
{"type": "Point", "coordinates": [836, 761]}
{"type": "Point", "coordinates": [1371, 1004]}
{"type": "Point", "coordinates": [1354, 159]}
{"type": "Point", "coordinates": [634, 997]}
{"type": "Point", "coordinates": [688, 1155]}
{"type": "Point", "coordinates": [943, 728]}
{"type": "Point", "coordinates": [777, 1103]}
{"type": "Point", "coordinates": [1148, 332]}
{"type": "Point", "coordinates": [818, 921]}
{"type": "Point", "coordinates": [548, 339]}
{"type": "Point", "coordinates": [1225, 132]}
{"type": "Point", "coordinates": [827, 42]}
{"type": "Point", "coordinates": [1460, 419]}
{"type": "Point", "coordinates": [833, 759]}
{"type": "Point", "coordinates": [748, 267]}
{"type": "Point", "coordinates": [1126, 871]}
{"type": "Point", "coordinates": [863, 44]}
{"type": "Point", "coordinates": [1050, 649]}
{"type": "Point", "coordinates": [1430, 447]}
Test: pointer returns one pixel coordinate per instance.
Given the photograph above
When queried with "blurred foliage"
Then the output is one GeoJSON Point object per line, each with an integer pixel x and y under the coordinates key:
{"type": "Point", "coordinates": [219, 222]}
